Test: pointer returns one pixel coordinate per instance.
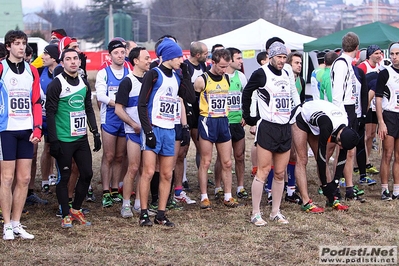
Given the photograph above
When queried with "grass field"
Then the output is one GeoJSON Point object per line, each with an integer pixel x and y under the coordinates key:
{"type": "Point", "coordinates": [219, 237]}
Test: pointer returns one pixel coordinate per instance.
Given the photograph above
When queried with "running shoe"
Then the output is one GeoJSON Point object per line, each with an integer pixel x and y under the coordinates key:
{"type": "Point", "coordinates": [320, 191]}
{"type": "Point", "coordinates": [153, 209]}
{"type": "Point", "coordinates": [90, 196]}
{"type": "Point", "coordinates": [77, 215]}
{"type": "Point", "coordinates": [107, 200]}
{"type": "Point", "coordinates": [257, 220]}
{"type": "Point", "coordinates": [279, 218]}
{"type": "Point", "coordinates": [356, 170]}
{"type": "Point", "coordinates": [126, 211]}
{"type": "Point", "coordinates": [311, 207]}
{"type": "Point", "coordinates": [242, 194]}
{"type": "Point", "coordinates": [210, 182]}
{"type": "Point", "coordinates": [116, 197]}
{"type": "Point", "coordinates": [19, 231]}
{"type": "Point", "coordinates": [35, 199]}
{"type": "Point", "coordinates": [8, 233]}
{"type": "Point", "coordinates": [367, 181]}
{"type": "Point", "coordinates": [219, 195]}
{"type": "Point", "coordinates": [186, 186]}
{"type": "Point", "coordinates": [52, 180]}
{"type": "Point", "coordinates": [184, 198]}
{"type": "Point", "coordinates": [46, 189]}
{"type": "Point", "coordinates": [145, 220]}
{"type": "Point", "coordinates": [66, 222]}
{"type": "Point", "coordinates": [371, 169]}
{"type": "Point", "coordinates": [253, 173]}
{"type": "Point", "coordinates": [386, 196]}
{"type": "Point", "coordinates": [294, 198]}
{"type": "Point", "coordinates": [138, 210]}
{"type": "Point", "coordinates": [164, 221]}
{"type": "Point", "coordinates": [231, 203]}
{"type": "Point", "coordinates": [210, 172]}
{"type": "Point", "coordinates": [337, 205]}
{"type": "Point", "coordinates": [354, 196]}
{"type": "Point", "coordinates": [172, 205]}
{"type": "Point", "coordinates": [205, 204]}
{"type": "Point", "coordinates": [269, 200]}
{"type": "Point", "coordinates": [342, 182]}
{"type": "Point", "coordinates": [358, 191]}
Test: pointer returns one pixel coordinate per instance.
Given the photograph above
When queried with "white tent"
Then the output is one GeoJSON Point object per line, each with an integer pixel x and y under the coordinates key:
{"type": "Point", "coordinates": [254, 36]}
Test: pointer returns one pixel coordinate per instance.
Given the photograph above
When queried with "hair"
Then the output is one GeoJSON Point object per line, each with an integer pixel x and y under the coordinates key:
{"type": "Point", "coordinates": [167, 36]}
{"type": "Point", "coordinates": [196, 48]}
{"type": "Point", "coordinates": [128, 44]}
{"type": "Point", "coordinates": [233, 51]}
{"type": "Point", "coordinates": [12, 35]}
{"type": "Point", "coordinates": [221, 53]}
{"type": "Point", "coordinates": [3, 51]}
{"type": "Point", "coordinates": [218, 45]}
{"type": "Point", "coordinates": [28, 50]}
{"type": "Point", "coordinates": [261, 56]}
{"type": "Point", "coordinates": [329, 58]}
{"type": "Point", "coordinates": [135, 53]}
{"type": "Point", "coordinates": [66, 51]}
{"type": "Point", "coordinates": [291, 55]}
{"type": "Point", "coordinates": [350, 42]}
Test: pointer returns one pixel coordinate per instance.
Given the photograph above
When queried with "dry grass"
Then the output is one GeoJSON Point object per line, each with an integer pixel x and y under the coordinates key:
{"type": "Point", "coordinates": [218, 237]}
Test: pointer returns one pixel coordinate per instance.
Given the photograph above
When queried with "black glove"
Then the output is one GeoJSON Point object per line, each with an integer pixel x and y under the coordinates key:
{"type": "Point", "coordinates": [97, 141]}
{"type": "Point", "coordinates": [55, 149]}
{"type": "Point", "coordinates": [150, 140]}
{"type": "Point", "coordinates": [330, 190]}
{"type": "Point", "coordinates": [185, 136]}
{"type": "Point", "coordinates": [361, 121]}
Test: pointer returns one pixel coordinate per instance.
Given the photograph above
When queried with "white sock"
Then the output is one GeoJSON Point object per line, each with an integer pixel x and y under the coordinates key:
{"type": "Point", "coordinates": [185, 170]}
{"type": "Point", "coordinates": [15, 223]}
{"type": "Point", "coordinates": [204, 196]}
{"type": "Point", "coordinates": [227, 196]}
{"type": "Point", "coordinates": [8, 225]}
{"type": "Point", "coordinates": [239, 188]}
{"type": "Point", "coordinates": [384, 187]}
{"type": "Point", "coordinates": [126, 202]}
{"type": "Point", "coordinates": [137, 204]}
{"type": "Point", "coordinates": [218, 189]}
{"type": "Point", "coordinates": [290, 190]}
{"type": "Point", "coordinates": [396, 189]}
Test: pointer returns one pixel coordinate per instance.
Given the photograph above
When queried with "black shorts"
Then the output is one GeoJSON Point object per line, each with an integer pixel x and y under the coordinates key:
{"type": "Point", "coordinates": [371, 117]}
{"type": "Point", "coordinates": [237, 132]}
{"type": "Point", "coordinates": [15, 144]}
{"type": "Point", "coordinates": [391, 120]}
{"type": "Point", "coordinates": [302, 125]}
{"type": "Point", "coordinates": [274, 137]}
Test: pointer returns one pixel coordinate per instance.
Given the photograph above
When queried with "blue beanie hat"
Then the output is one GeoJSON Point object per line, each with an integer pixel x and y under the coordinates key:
{"type": "Point", "coordinates": [168, 49]}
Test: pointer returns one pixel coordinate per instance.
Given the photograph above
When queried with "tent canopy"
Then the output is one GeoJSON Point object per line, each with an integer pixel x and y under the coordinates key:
{"type": "Point", "coordinates": [254, 36]}
{"type": "Point", "coordinates": [373, 33]}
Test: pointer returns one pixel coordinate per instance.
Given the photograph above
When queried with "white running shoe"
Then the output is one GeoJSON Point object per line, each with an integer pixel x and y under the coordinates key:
{"type": "Point", "coordinates": [8, 233]}
{"type": "Point", "coordinates": [20, 232]}
{"type": "Point", "coordinates": [279, 218]}
{"type": "Point", "coordinates": [257, 220]}
{"type": "Point", "coordinates": [184, 198]}
{"type": "Point", "coordinates": [126, 212]}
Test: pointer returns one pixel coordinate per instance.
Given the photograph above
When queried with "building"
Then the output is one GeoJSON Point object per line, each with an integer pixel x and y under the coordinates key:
{"type": "Point", "coordinates": [34, 24]}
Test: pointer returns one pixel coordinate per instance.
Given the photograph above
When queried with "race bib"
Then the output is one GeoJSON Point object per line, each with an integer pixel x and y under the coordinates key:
{"type": "Point", "coordinates": [234, 101]}
{"type": "Point", "coordinates": [112, 90]}
{"type": "Point", "coordinates": [178, 112]}
{"type": "Point", "coordinates": [78, 123]}
{"type": "Point", "coordinates": [19, 103]}
{"type": "Point", "coordinates": [217, 105]}
{"type": "Point", "coordinates": [397, 99]}
{"type": "Point", "coordinates": [166, 108]}
{"type": "Point", "coordinates": [282, 103]}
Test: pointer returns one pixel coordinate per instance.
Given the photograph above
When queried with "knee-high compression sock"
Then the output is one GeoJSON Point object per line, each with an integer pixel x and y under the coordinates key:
{"type": "Point", "coordinates": [154, 186]}
{"type": "Point", "coordinates": [257, 190]}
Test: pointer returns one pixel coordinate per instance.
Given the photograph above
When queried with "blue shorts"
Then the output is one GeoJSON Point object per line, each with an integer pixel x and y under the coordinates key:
{"type": "Point", "coordinates": [214, 129]}
{"type": "Point", "coordinates": [15, 145]}
{"type": "Point", "coordinates": [165, 141]}
{"type": "Point", "coordinates": [116, 128]}
{"type": "Point", "coordinates": [135, 137]}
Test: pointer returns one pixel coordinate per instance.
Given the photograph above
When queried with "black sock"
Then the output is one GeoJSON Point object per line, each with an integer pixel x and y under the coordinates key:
{"type": "Point", "coordinates": [154, 186]}
{"type": "Point", "coordinates": [30, 192]}
{"type": "Point", "coordinates": [114, 190]}
{"type": "Point", "coordinates": [105, 191]}
{"type": "Point", "coordinates": [144, 212]}
{"type": "Point", "coordinates": [368, 165]}
{"type": "Point", "coordinates": [160, 215]}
